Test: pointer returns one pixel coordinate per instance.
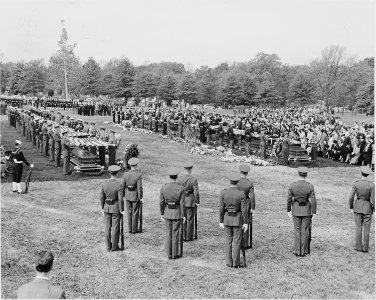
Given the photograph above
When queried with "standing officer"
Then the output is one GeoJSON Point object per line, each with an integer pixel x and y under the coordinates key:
{"type": "Point", "coordinates": [65, 150]}
{"type": "Point", "coordinates": [300, 208]}
{"type": "Point", "coordinates": [171, 202]}
{"type": "Point", "coordinates": [45, 140]}
{"type": "Point", "coordinates": [363, 207]}
{"type": "Point", "coordinates": [246, 186]}
{"type": "Point", "coordinates": [18, 159]}
{"type": "Point", "coordinates": [113, 206]}
{"type": "Point", "coordinates": [57, 146]}
{"type": "Point", "coordinates": [131, 187]}
{"type": "Point", "coordinates": [51, 143]}
{"type": "Point", "coordinates": [285, 148]}
{"type": "Point", "coordinates": [233, 218]}
{"type": "Point", "coordinates": [191, 199]}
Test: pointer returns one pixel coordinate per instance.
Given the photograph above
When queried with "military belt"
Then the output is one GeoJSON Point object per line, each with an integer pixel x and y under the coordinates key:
{"type": "Point", "coordinates": [131, 188]}
{"type": "Point", "coordinates": [173, 205]}
{"type": "Point", "coordinates": [187, 193]}
{"type": "Point", "coordinates": [232, 212]}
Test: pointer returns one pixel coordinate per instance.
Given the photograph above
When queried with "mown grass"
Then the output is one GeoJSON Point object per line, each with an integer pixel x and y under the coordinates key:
{"type": "Point", "coordinates": [65, 217]}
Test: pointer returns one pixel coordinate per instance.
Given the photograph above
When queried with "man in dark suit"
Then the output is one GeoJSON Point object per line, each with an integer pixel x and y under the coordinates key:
{"type": "Point", "coordinates": [246, 186]}
{"type": "Point", "coordinates": [233, 219]}
{"type": "Point", "coordinates": [131, 187]}
{"type": "Point", "coordinates": [301, 208]}
{"type": "Point", "coordinates": [40, 287]}
{"type": "Point", "coordinates": [363, 207]}
{"type": "Point", "coordinates": [171, 202]}
{"type": "Point", "coordinates": [191, 199]}
{"type": "Point", "coordinates": [111, 199]}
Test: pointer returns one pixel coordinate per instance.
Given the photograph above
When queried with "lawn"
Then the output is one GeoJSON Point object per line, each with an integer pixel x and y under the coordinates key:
{"type": "Point", "coordinates": [65, 217]}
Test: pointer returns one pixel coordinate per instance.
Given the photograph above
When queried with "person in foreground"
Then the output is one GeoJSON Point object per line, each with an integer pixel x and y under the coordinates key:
{"type": "Point", "coordinates": [363, 207]}
{"type": "Point", "coordinates": [302, 210]}
{"type": "Point", "coordinates": [40, 287]}
{"type": "Point", "coordinates": [233, 215]}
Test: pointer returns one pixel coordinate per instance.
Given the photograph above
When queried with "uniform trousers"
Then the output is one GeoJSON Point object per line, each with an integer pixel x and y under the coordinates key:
{"type": "Point", "coordinates": [66, 163]}
{"type": "Point", "coordinates": [363, 225]}
{"type": "Point", "coordinates": [172, 243]}
{"type": "Point", "coordinates": [233, 238]}
{"type": "Point", "coordinates": [57, 155]}
{"type": "Point", "coordinates": [247, 234]}
{"type": "Point", "coordinates": [301, 234]}
{"type": "Point", "coordinates": [133, 211]}
{"type": "Point", "coordinates": [189, 213]}
{"type": "Point", "coordinates": [112, 230]}
{"type": "Point", "coordinates": [52, 150]}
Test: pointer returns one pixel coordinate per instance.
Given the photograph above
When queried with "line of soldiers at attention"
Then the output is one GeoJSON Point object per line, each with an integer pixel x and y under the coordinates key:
{"type": "Point", "coordinates": [180, 198]}
{"type": "Point", "coordinates": [43, 130]}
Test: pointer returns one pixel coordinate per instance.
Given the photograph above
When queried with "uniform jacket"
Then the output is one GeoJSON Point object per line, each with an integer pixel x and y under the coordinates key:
{"type": "Point", "coordinates": [191, 195]}
{"type": "Point", "coordinates": [172, 193]}
{"type": "Point", "coordinates": [132, 179]}
{"type": "Point", "coordinates": [301, 192]}
{"type": "Point", "coordinates": [40, 288]}
{"type": "Point", "coordinates": [65, 145]}
{"type": "Point", "coordinates": [57, 139]}
{"type": "Point", "coordinates": [232, 199]}
{"type": "Point", "coordinates": [246, 186]}
{"type": "Point", "coordinates": [365, 197]}
{"type": "Point", "coordinates": [111, 190]}
{"type": "Point", "coordinates": [18, 156]}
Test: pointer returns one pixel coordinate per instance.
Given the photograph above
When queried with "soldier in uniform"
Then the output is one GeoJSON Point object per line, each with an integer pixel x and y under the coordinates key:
{"type": "Point", "coordinates": [262, 137]}
{"type": "Point", "coordinates": [131, 187]}
{"type": "Point", "coordinates": [40, 287]}
{"type": "Point", "coordinates": [111, 199]}
{"type": "Point", "coordinates": [363, 207]}
{"type": "Point", "coordinates": [65, 150]}
{"type": "Point", "coordinates": [285, 148]}
{"type": "Point", "coordinates": [45, 140]}
{"type": "Point", "coordinates": [57, 146]}
{"type": "Point", "coordinates": [246, 186]}
{"type": "Point", "coordinates": [112, 149]}
{"type": "Point", "coordinates": [191, 199]}
{"type": "Point", "coordinates": [302, 210]}
{"type": "Point", "coordinates": [233, 219]}
{"type": "Point", "coordinates": [51, 143]}
{"type": "Point", "coordinates": [172, 212]}
{"type": "Point", "coordinates": [18, 159]}
{"type": "Point", "coordinates": [247, 138]}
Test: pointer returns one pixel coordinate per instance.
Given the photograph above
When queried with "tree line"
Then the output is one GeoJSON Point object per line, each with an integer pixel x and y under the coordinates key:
{"type": "Point", "coordinates": [334, 79]}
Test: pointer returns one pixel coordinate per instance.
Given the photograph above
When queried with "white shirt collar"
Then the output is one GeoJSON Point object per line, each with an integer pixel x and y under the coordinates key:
{"type": "Point", "coordinates": [42, 277]}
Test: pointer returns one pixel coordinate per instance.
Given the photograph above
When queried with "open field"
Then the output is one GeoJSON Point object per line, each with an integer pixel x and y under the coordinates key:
{"type": "Point", "coordinates": [65, 217]}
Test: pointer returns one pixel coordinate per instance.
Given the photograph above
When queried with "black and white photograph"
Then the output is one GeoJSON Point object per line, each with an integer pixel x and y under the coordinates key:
{"type": "Point", "coordinates": [187, 149]}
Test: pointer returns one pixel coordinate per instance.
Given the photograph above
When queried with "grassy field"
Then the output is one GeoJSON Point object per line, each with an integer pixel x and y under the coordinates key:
{"type": "Point", "coordinates": [66, 218]}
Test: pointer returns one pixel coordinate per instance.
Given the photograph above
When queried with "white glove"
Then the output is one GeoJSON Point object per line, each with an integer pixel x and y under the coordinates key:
{"type": "Point", "coordinates": [352, 211]}
{"type": "Point", "coordinates": [31, 165]}
{"type": "Point", "coordinates": [245, 227]}
{"type": "Point", "coordinates": [102, 212]}
{"type": "Point", "coordinates": [162, 218]}
{"type": "Point", "coordinates": [252, 211]}
{"type": "Point", "coordinates": [313, 216]}
{"type": "Point", "coordinates": [197, 204]}
{"type": "Point", "coordinates": [289, 214]}
{"type": "Point", "coordinates": [221, 225]}
{"type": "Point", "coordinates": [184, 219]}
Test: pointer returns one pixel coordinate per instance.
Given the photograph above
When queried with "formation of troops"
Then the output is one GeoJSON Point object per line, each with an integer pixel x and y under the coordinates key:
{"type": "Point", "coordinates": [180, 197]}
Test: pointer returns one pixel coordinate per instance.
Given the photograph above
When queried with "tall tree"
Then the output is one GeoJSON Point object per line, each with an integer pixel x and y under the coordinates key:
{"type": "Point", "coordinates": [144, 85]}
{"type": "Point", "coordinates": [301, 89]}
{"type": "Point", "coordinates": [365, 98]}
{"type": "Point", "coordinates": [168, 89]}
{"type": "Point", "coordinates": [326, 72]}
{"type": "Point", "coordinates": [231, 90]}
{"type": "Point", "coordinates": [187, 88]}
{"type": "Point", "coordinates": [90, 78]}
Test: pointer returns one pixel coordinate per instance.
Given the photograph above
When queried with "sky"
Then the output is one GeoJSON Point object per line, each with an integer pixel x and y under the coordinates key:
{"type": "Point", "coordinates": [192, 32]}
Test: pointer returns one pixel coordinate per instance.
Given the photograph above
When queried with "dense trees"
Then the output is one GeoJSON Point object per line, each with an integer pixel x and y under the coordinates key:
{"type": "Point", "coordinates": [334, 79]}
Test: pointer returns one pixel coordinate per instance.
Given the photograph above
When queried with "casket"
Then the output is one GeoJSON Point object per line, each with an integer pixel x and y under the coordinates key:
{"type": "Point", "coordinates": [85, 161]}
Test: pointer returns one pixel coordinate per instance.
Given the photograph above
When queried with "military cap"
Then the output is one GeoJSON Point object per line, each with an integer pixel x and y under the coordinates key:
{"type": "Point", "coordinates": [244, 168]}
{"type": "Point", "coordinates": [188, 165]}
{"type": "Point", "coordinates": [173, 172]}
{"type": "Point", "coordinates": [234, 178]}
{"type": "Point", "coordinates": [102, 128]}
{"type": "Point", "coordinates": [133, 161]}
{"type": "Point", "coordinates": [303, 170]}
{"type": "Point", "coordinates": [92, 123]}
{"type": "Point", "coordinates": [365, 170]}
{"type": "Point", "coordinates": [114, 168]}
{"type": "Point", "coordinates": [18, 142]}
